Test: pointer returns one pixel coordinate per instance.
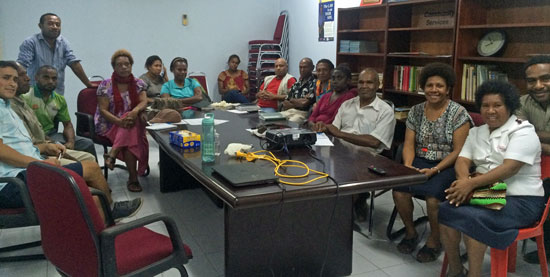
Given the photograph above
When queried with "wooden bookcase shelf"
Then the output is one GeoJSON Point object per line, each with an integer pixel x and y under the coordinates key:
{"type": "Point", "coordinates": [526, 25]}
{"type": "Point", "coordinates": [400, 29]}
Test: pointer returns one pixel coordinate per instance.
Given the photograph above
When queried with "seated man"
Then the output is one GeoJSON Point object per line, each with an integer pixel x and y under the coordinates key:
{"type": "Point", "coordinates": [535, 107]}
{"type": "Point", "coordinates": [17, 151]}
{"type": "Point", "coordinates": [50, 108]}
{"type": "Point", "coordinates": [31, 123]}
{"type": "Point", "coordinates": [275, 87]}
{"type": "Point", "coordinates": [301, 96]}
{"type": "Point", "coordinates": [364, 120]}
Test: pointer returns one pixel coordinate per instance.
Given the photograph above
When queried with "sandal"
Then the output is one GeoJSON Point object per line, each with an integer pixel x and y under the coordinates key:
{"type": "Point", "coordinates": [427, 254]}
{"type": "Point", "coordinates": [133, 186]}
{"type": "Point", "coordinates": [407, 246]}
{"type": "Point", "coordinates": [463, 273]}
{"type": "Point", "coordinates": [109, 161]}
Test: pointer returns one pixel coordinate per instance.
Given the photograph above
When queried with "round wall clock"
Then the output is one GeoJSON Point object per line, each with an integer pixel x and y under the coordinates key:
{"type": "Point", "coordinates": [491, 43]}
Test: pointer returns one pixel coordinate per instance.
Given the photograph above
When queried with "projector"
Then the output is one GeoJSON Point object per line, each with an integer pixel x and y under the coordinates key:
{"type": "Point", "coordinates": [289, 137]}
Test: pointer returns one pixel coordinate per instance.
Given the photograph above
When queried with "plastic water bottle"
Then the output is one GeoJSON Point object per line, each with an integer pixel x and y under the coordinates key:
{"type": "Point", "coordinates": [208, 138]}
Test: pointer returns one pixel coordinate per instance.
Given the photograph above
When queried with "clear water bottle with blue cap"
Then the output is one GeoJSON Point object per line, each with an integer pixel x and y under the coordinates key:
{"type": "Point", "coordinates": [208, 138]}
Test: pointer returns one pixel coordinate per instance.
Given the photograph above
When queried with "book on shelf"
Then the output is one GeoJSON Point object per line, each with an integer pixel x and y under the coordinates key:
{"type": "Point", "coordinates": [405, 78]}
{"type": "Point", "coordinates": [473, 75]}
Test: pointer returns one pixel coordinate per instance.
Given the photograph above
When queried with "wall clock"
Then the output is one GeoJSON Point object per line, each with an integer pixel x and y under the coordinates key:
{"type": "Point", "coordinates": [491, 44]}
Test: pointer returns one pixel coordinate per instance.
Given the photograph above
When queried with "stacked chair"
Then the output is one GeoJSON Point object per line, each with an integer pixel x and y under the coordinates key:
{"type": "Point", "coordinates": [262, 54]}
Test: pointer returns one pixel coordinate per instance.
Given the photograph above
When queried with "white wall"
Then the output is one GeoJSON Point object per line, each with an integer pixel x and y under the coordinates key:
{"type": "Point", "coordinates": [97, 28]}
{"type": "Point", "coordinates": [304, 36]}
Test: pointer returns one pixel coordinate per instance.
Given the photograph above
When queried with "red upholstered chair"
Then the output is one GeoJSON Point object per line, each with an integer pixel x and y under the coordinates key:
{"type": "Point", "coordinates": [280, 37]}
{"type": "Point", "coordinates": [201, 77]}
{"type": "Point", "coordinates": [77, 242]}
{"type": "Point", "coordinates": [17, 218]}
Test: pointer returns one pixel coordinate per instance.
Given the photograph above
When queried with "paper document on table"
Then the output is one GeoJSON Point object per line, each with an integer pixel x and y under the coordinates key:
{"type": "Point", "coordinates": [160, 126]}
{"type": "Point", "coordinates": [237, 111]}
{"type": "Point", "coordinates": [198, 121]}
{"type": "Point", "coordinates": [323, 140]}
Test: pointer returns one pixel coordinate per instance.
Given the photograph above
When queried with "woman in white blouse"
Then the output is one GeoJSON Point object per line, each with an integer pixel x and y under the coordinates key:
{"type": "Point", "coordinates": [504, 149]}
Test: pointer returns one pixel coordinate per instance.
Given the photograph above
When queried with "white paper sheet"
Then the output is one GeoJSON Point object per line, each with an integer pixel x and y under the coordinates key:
{"type": "Point", "coordinates": [323, 140]}
{"type": "Point", "coordinates": [237, 111]}
{"type": "Point", "coordinates": [160, 126]}
{"type": "Point", "coordinates": [198, 121]}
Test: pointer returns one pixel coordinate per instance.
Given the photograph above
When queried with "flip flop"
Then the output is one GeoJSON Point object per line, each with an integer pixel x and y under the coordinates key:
{"type": "Point", "coordinates": [407, 246]}
{"type": "Point", "coordinates": [133, 186]}
{"type": "Point", "coordinates": [427, 254]}
{"type": "Point", "coordinates": [109, 161]}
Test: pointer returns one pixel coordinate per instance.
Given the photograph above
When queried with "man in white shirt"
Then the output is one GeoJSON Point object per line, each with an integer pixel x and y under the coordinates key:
{"type": "Point", "coordinates": [364, 120]}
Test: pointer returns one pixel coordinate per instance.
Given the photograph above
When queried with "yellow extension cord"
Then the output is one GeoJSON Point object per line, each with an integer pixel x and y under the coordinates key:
{"type": "Point", "coordinates": [252, 156]}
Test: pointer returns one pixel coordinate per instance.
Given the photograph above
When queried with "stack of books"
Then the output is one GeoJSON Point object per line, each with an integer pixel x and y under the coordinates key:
{"type": "Point", "coordinates": [358, 46]}
{"type": "Point", "coordinates": [473, 75]}
{"type": "Point", "coordinates": [344, 45]}
{"type": "Point", "coordinates": [363, 46]}
{"type": "Point", "coordinates": [405, 78]}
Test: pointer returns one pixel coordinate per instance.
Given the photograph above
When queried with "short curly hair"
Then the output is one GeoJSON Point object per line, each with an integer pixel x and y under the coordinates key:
{"type": "Point", "coordinates": [535, 60]}
{"type": "Point", "coordinates": [507, 91]}
{"type": "Point", "coordinates": [345, 69]}
{"type": "Point", "coordinates": [442, 70]}
{"type": "Point", "coordinates": [121, 53]}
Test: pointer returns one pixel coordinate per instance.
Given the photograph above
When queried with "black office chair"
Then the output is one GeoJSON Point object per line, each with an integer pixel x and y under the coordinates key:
{"type": "Point", "coordinates": [17, 218]}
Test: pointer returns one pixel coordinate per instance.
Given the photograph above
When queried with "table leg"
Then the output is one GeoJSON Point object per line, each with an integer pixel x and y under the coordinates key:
{"type": "Point", "coordinates": [172, 176]}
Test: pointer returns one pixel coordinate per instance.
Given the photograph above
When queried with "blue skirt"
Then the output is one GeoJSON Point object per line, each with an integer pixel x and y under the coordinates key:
{"type": "Point", "coordinates": [497, 229]}
{"type": "Point", "coordinates": [436, 185]}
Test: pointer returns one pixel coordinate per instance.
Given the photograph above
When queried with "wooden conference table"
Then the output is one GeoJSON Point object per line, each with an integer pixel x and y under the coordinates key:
{"type": "Point", "coordinates": [281, 230]}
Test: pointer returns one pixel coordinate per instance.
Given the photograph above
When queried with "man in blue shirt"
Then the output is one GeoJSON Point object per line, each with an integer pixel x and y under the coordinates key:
{"type": "Point", "coordinates": [50, 48]}
{"type": "Point", "coordinates": [17, 151]}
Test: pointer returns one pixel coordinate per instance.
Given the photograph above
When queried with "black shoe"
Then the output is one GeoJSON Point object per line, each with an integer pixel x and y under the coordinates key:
{"type": "Point", "coordinates": [532, 257]}
{"type": "Point", "coordinates": [124, 209]}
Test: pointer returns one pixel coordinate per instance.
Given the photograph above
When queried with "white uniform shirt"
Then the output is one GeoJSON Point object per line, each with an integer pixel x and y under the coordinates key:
{"type": "Point", "coordinates": [514, 141]}
{"type": "Point", "coordinates": [376, 119]}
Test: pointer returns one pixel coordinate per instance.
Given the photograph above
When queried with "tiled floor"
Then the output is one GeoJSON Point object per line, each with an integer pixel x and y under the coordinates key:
{"type": "Point", "coordinates": [200, 224]}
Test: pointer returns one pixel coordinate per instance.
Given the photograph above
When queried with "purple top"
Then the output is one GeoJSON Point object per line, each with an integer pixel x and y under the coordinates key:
{"type": "Point", "coordinates": [106, 89]}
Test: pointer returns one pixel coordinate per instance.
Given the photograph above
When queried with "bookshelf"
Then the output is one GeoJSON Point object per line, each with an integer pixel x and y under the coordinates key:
{"type": "Point", "coordinates": [526, 24]}
{"type": "Point", "coordinates": [400, 29]}
{"type": "Point", "coordinates": [405, 38]}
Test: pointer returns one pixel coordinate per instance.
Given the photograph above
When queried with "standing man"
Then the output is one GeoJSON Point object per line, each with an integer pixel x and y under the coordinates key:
{"type": "Point", "coordinates": [535, 107]}
{"type": "Point", "coordinates": [51, 108]}
{"type": "Point", "coordinates": [50, 48]}
{"type": "Point", "coordinates": [275, 87]}
{"type": "Point", "coordinates": [302, 94]}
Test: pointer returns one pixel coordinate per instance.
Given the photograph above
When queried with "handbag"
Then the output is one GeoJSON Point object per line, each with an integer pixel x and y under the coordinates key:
{"type": "Point", "coordinates": [491, 197]}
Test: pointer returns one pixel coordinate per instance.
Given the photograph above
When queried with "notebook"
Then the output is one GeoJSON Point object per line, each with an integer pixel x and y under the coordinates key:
{"type": "Point", "coordinates": [245, 174]}
{"type": "Point", "coordinates": [272, 116]}
{"type": "Point", "coordinates": [248, 108]}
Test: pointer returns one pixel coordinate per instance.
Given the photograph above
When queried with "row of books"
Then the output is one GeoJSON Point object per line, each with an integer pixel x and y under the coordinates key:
{"type": "Point", "coordinates": [358, 46]}
{"type": "Point", "coordinates": [473, 75]}
{"type": "Point", "coordinates": [405, 78]}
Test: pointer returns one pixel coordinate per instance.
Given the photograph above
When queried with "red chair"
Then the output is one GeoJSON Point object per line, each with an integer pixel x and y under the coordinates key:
{"type": "Point", "coordinates": [77, 242]}
{"type": "Point", "coordinates": [17, 218]}
{"type": "Point", "coordinates": [503, 261]}
{"type": "Point", "coordinates": [201, 77]}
